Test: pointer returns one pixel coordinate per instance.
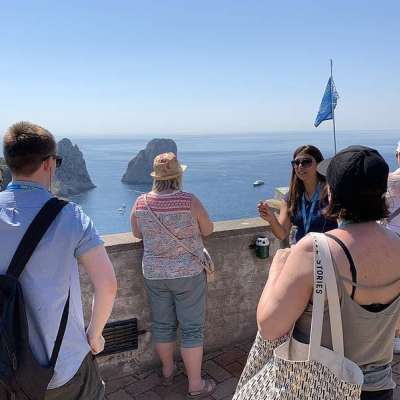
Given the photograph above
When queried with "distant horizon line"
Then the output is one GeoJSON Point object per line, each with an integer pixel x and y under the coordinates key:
{"type": "Point", "coordinates": [223, 133]}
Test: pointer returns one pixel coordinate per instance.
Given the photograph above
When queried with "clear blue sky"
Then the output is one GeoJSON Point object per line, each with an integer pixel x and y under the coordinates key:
{"type": "Point", "coordinates": [197, 66]}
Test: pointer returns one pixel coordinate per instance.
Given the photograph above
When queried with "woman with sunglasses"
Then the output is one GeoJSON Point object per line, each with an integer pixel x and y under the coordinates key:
{"type": "Point", "coordinates": [366, 259]}
{"type": "Point", "coordinates": [306, 198]}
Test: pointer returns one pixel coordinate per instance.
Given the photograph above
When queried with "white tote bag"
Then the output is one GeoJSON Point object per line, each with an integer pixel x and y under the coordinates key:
{"type": "Point", "coordinates": [292, 370]}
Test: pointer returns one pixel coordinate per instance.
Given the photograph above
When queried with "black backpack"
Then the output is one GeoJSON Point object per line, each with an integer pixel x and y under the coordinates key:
{"type": "Point", "coordinates": [21, 377]}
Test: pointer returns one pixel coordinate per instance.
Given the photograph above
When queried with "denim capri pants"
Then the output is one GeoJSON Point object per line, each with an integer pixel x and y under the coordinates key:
{"type": "Point", "coordinates": [179, 300]}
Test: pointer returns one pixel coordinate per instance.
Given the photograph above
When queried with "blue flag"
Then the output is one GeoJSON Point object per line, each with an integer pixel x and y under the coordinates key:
{"type": "Point", "coordinates": [328, 103]}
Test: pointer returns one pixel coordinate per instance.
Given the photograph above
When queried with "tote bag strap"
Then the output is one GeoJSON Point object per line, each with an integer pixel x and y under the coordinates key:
{"type": "Point", "coordinates": [324, 284]}
{"type": "Point", "coordinates": [166, 230]}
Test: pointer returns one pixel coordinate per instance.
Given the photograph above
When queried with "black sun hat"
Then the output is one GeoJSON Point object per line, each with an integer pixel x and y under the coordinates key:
{"type": "Point", "coordinates": [354, 173]}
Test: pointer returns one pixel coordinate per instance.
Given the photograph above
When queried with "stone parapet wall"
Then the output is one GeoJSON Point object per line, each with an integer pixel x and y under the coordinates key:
{"type": "Point", "coordinates": [232, 298]}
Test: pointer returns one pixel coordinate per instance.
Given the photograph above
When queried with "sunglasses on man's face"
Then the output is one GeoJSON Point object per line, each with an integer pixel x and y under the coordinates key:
{"type": "Point", "coordinates": [304, 162]}
{"type": "Point", "coordinates": [55, 157]}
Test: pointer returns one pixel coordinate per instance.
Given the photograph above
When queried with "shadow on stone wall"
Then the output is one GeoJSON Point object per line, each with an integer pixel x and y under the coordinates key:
{"type": "Point", "coordinates": [232, 298]}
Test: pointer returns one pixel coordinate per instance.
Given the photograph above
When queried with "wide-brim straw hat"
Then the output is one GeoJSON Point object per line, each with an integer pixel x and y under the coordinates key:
{"type": "Point", "coordinates": [166, 166]}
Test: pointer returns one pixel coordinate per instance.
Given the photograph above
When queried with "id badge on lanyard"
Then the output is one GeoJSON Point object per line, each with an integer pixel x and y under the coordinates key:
{"type": "Point", "coordinates": [307, 217]}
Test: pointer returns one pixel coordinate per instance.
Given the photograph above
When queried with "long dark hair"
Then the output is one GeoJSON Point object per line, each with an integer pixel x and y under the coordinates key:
{"type": "Point", "coordinates": [369, 206]}
{"type": "Point", "coordinates": [296, 186]}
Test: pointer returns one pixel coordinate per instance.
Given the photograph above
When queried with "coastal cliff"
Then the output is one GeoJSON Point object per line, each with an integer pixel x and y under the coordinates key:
{"type": "Point", "coordinates": [139, 167]}
{"type": "Point", "coordinates": [5, 174]}
{"type": "Point", "coordinates": [72, 177]}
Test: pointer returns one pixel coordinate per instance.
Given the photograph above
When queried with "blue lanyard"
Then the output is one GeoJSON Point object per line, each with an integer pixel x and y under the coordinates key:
{"type": "Point", "coordinates": [21, 186]}
{"type": "Point", "coordinates": [307, 218]}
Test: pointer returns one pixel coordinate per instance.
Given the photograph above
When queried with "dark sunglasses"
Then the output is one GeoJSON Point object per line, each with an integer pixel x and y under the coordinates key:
{"type": "Point", "coordinates": [304, 162]}
{"type": "Point", "coordinates": [54, 157]}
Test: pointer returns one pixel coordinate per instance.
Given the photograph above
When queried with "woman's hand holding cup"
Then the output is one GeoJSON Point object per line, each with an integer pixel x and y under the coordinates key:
{"type": "Point", "coordinates": [265, 211]}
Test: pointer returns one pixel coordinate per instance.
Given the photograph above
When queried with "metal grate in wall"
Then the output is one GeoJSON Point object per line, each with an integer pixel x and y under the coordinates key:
{"type": "Point", "coordinates": [121, 336]}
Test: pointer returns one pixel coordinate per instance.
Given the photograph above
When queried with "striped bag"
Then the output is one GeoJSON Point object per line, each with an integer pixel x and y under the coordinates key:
{"type": "Point", "coordinates": [285, 369]}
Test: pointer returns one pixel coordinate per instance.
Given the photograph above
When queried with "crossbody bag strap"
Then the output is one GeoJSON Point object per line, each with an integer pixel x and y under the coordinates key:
{"type": "Point", "coordinates": [167, 231]}
{"type": "Point", "coordinates": [324, 284]}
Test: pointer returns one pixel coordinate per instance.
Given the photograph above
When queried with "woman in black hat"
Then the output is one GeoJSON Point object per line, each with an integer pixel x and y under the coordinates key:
{"type": "Point", "coordinates": [366, 258]}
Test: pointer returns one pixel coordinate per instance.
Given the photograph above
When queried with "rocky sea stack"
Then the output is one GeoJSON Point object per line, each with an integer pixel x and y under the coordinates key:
{"type": "Point", "coordinates": [139, 168]}
{"type": "Point", "coordinates": [72, 177]}
{"type": "Point", "coordinates": [5, 174]}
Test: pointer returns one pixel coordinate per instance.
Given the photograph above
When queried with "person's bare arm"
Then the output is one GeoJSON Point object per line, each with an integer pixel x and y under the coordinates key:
{"type": "Point", "coordinates": [280, 225]}
{"type": "Point", "coordinates": [288, 290]}
{"type": "Point", "coordinates": [101, 273]}
{"type": "Point", "coordinates": [205, 224]}
{"type": "Point", "coordinates": [134, 224]}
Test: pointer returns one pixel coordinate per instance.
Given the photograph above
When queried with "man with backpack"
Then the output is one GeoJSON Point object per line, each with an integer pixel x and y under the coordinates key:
{"type": "Point", "coordinates": [45, 352]}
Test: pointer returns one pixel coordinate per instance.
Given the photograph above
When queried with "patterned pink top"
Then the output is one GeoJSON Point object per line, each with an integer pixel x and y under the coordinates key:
{"type": "Point", "coordinates": [163, 258]}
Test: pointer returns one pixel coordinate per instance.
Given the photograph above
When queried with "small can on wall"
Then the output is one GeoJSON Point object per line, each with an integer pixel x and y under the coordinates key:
{"type": "Point", "coordinates": [262, 247]}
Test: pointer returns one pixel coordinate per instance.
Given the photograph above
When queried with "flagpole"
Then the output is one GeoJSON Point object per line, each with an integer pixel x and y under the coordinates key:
{"type": "Point", "coordinates": [333, 111]}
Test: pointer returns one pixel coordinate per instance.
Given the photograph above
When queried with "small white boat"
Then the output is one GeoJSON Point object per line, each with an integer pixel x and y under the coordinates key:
{"type": "Point", "coordinates": [122, 209]}
{"type": "Point", "coordinates": [258, 183]}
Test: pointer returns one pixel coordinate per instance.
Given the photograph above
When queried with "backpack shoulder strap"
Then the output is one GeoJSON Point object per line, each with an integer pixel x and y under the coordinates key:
{"type": "Point", "coordinates": [27, 246]}
{"type": "Point", "coordinates": [60, 333]}
{"type": "Point", "coordinates": [34, 235]}
{"type": "Point", "coordinates": [393, 215]}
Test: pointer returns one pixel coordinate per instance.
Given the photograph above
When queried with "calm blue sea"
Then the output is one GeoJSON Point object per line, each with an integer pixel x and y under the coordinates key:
{"type": "Point", "coordinates": [221, 169]}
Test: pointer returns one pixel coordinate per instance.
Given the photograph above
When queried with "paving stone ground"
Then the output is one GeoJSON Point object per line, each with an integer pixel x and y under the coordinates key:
{"type": "Point", "coordinates": [224, 366]}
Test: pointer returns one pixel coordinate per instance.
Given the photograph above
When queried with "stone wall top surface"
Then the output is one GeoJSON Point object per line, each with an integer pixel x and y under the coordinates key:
{"type": "Point", "coordinates": [122, 241]}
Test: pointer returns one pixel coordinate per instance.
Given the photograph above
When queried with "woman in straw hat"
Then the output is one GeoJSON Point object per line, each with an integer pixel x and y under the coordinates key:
{"type": "Point", "coordinates": [366, 258]}
{"type": "Point", "coordinates": [172, 222]}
